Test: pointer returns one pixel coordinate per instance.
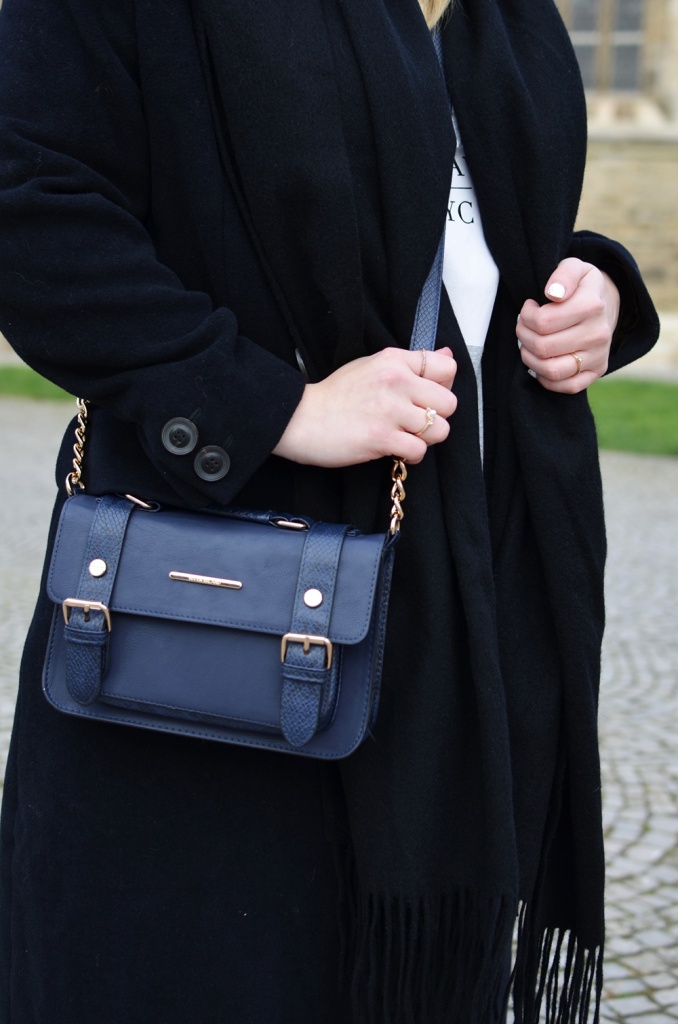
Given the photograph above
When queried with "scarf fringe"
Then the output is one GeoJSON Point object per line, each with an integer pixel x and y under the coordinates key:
{"type": "Point", "coordinates": [556, 980]}
{"type": "Point", "coordinates": [442, 961]}
{"type": "Point", "coordinates": [446, 960]}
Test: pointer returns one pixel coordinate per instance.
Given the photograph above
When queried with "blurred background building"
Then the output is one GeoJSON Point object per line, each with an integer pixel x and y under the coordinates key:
{"type": "Point", "coordinates": [628, 54]}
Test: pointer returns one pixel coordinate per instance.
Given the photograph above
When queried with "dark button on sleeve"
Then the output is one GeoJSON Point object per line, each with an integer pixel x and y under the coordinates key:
{"type": "Point", "coordinates": [179, 436]}
{"type": "Point", "coordinates": [211, 463]}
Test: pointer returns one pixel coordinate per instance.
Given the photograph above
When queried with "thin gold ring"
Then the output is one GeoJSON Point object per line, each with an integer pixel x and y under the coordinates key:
{"type": "Point", "coordinates": [580, 363]}
{"type": "Point", "coordinates": [423, 363]}
{"type": "Point", "coordinates": [430, 416]}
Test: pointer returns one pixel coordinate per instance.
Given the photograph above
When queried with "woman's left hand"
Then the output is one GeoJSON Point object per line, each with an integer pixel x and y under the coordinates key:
{"type": "Point", "coordinates": [566, 343]}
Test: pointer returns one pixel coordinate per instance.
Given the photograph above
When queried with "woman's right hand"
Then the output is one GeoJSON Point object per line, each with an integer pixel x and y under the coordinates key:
{"type": "Point", "coordinates": [371, 407]}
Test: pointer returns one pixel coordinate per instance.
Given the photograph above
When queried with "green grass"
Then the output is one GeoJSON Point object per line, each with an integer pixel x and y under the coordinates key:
{"type": "Point", "coordinates": [631, 415]}
{"type": "Point", "coordinates": [636, 415]}
{"type": "Point", "coordinates": [22, 382]}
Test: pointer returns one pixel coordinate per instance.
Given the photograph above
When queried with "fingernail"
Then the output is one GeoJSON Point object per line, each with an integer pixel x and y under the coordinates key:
{"type": "Point", "coordinates": [556, 291]}
{"type": "Point", "coordinates": [532, 373]}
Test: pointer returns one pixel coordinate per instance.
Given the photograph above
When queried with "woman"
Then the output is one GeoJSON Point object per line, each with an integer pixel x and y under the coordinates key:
{"type": "Point", "coordinates": [226, 213]}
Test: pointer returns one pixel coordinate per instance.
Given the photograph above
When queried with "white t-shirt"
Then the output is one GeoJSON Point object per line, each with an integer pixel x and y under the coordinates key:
{"type": "Point", "coordinates": [470, 275]}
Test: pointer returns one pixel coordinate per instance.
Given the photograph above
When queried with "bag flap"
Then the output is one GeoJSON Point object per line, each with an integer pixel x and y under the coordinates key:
{"type": "Point", "coordinates": [263, 558]}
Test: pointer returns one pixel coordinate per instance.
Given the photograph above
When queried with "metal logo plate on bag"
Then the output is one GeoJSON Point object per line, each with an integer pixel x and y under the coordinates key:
{"type": "Point", "coordinates": [208, 581]}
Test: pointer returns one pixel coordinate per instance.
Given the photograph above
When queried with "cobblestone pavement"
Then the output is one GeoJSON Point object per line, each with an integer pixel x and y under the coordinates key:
{"type": "Point", "coordinates": [638, 708]}
{"type": "Point", "coordinates": [639, 715]}
{"type": "Point", "coordinates": [32, 433]}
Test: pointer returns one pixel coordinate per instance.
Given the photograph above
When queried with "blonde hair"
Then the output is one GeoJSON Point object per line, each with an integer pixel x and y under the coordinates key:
{"type": "Point", "coordinates": [434, 10]}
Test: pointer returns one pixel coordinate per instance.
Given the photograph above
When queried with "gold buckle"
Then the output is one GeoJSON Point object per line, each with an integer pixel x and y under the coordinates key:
{"type": "Point", "coordinates": [142, 504]}
{"type": "Point", "coordinates": [87, 607]}
{"type": "Point", "coordinates": [302, 638]}
{"type": "Point", "coordinates": [290, 524]}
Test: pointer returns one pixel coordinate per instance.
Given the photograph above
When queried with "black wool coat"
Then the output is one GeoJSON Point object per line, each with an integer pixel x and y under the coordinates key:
{"type": "Point", "coordinates": [189, 199]}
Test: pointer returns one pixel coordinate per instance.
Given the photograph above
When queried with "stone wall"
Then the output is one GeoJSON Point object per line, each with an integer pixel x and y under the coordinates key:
{"type": "Point", "coordinates": [631, 194]}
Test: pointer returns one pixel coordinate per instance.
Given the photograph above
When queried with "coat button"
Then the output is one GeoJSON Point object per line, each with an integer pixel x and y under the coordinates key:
{"type": "Point", "coordinates": [211, 463]}
{"type": "Point", "coordinates": [179, 436]}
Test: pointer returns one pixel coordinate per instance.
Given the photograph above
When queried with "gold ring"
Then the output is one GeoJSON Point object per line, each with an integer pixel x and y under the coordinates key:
{"type": "Point", "coordinates": [579, 361]}
{"type": "Point", "coordinates": [430, 416]}
{"type": "Point", "coordinates": [423, 364]}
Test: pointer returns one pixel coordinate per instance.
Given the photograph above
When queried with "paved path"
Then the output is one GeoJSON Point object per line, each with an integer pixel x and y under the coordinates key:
{"type": "Point", "coordinates": [639, 700]}
{"type": "Point", "coordinates": [639, 716]}
{"type": "Point", "coordinates": [32, 434]}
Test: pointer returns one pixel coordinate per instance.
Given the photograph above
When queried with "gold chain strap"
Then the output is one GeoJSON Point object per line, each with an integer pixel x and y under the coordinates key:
{"type": "Point", "coordinates": [74, 478]}
{"type": "Point", "coordinates": [398, 476]}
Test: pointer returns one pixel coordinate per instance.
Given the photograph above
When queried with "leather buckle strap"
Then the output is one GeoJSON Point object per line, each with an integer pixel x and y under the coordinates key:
{"type": "Point", "coordinates": [306, 641]}
{"type": "Point", "coordinates": [87, 607]}
{"type": "Point", "coordinates": [306, 651]}
{"type": "Point", "coordinates": [87, 615]}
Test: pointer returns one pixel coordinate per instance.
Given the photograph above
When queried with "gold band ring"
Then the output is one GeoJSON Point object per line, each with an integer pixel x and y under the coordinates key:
{"type": "Point", "coordinates": [430, 416]}
{"type": "Point", "coordinates": [423, 363]}
{"type": "Point", "coordinates": [579, 361]}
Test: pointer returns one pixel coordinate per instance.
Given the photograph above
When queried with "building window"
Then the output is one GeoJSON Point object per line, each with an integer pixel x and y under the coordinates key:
{"type": "Point", "coordinates": [608, 37]}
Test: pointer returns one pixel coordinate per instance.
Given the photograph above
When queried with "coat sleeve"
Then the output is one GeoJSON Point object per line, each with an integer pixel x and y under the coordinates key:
{"type": "Point", "coordinates": [83, 296]}
{"type": "Point", "coordinates": [638, 326]}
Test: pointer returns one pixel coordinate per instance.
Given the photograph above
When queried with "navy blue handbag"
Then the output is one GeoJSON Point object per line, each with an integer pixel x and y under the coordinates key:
{"type": "Point", "coordinates": [247, 627]}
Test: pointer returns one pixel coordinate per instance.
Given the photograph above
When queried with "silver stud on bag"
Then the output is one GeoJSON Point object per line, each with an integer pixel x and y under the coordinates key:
{"type": "Point", "coordinates": [97, 567]}
{"type": "Point", "coordinates": [313, 598]}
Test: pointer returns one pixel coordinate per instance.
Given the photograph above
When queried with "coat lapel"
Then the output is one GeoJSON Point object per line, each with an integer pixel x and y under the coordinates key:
{"type": "Point", "coordinates": [507, 67]}
{"type": "Point", "coordinates": [283, 128]}
{"type": "Point", "coordinates": [413, 139]}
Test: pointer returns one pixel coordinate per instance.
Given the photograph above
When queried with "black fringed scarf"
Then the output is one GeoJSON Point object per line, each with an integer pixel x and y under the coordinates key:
{"type": "Point", "coordinates": [478, 794]}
